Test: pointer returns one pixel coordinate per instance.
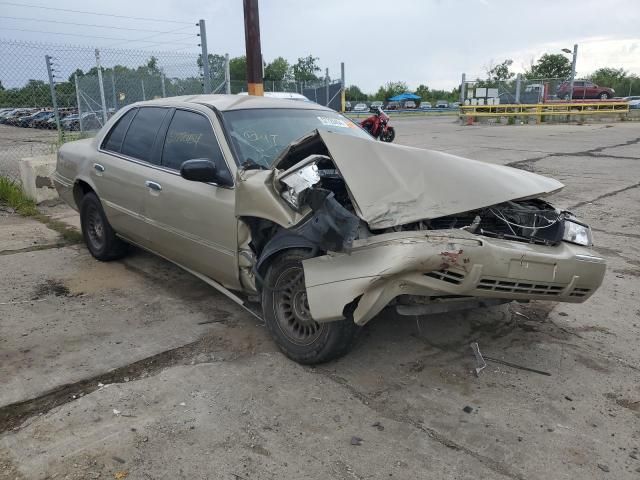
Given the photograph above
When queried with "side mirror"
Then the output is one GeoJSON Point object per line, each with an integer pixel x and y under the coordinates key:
{"type": "Point", "coordinates": [199, 170]}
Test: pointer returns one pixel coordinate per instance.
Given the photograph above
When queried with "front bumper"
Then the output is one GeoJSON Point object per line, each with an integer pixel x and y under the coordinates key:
{"type": "Point", "coordinates": [443, 263]}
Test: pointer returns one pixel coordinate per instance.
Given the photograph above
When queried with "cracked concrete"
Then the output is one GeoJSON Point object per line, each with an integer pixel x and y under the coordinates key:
{"type": "Point", "coordinates": [137, 367]}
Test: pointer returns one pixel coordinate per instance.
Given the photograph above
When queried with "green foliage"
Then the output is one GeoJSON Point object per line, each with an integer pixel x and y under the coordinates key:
{"type": "Point", "coordinates": [238, 68]}
{"type": "Point", "coordinates": [278, 70]}
{"type": "Point", "coordinates": [11, 194]}
{"type": "Point", "coordinates": [305, 69]}
{"type": "Point", "coordinates": [354, 94]}
{"type": "Point", "coordinates": [617, 78]}
{"type": "Point", "coordinates": [500, 72]}
{"type": "Point", "coordinates": [391, 89]}
{"type": "Point", "coordinates": [423, 92]}
{"type": "Point", "coordinates": [550, 65]}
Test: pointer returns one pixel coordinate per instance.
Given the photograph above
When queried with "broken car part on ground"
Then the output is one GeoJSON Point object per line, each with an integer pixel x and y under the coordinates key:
{"type": "Point", "coordinates": [329, 226]}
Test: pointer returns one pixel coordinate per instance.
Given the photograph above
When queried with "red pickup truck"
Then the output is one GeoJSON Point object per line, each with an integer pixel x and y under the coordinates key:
{"type": "Point", "coordinates": [584, 89]}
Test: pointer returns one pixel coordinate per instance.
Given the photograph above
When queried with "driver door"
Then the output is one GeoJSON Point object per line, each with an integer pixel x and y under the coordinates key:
{"type": "Point", "coordinates": [193, 223]}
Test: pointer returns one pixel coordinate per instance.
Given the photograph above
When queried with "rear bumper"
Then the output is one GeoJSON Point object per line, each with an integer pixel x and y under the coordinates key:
{"type": "Point", "coordinates": [443, 263]}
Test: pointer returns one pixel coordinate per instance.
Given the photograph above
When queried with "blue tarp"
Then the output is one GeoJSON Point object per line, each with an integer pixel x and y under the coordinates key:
{"type": "Point", "coordinates": [404, 96]}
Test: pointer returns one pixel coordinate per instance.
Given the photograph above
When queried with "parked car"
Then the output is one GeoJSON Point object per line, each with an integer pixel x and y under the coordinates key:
{"type": "Point", "coordinates": [90, 121]}
{"type": "Point", "coordinates": [584, 89]}
{"type": "Point", "coordinates": [442, 104]}
{"type": "Point", "coordinates": [29, 120]}
{"type": "Point", "coordinates": [393, 106]}
{"type": "Point", "coordinates": [360, 107]}
{"type": "Point", "coordinates": [455, 105]}
{"type": "Point", "coordinates": [347, 106]}
{"type": "Point", "coordinates": [375, 105]}
{"type": "Point", "coordinates": [410, 104]}
{"type": "Point", "coordinates": [13, 116]}
{"type": "Point", "coordinates": [42, 121]}
{"type": "Point", "coordinates": [425, 106]}
{"type": "Point", "coordinates": [633, 101]}
{"type": "Point", "coordinates": [292, 204]}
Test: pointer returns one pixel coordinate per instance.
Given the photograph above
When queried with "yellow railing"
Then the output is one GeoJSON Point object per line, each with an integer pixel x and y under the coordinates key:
{"type": "Point", "coordinates": [542, 109]}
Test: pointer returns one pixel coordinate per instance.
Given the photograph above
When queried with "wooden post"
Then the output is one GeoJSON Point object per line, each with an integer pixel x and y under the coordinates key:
{"type": "Point", "coordinates": [252, 43]}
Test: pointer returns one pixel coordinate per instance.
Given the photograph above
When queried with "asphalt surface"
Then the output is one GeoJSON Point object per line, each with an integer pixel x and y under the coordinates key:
{"type": "Point", "coordinates": [134, 369]}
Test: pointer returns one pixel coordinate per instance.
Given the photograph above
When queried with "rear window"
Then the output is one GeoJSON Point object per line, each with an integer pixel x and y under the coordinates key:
{"type": "Point", "coordinates": [113, 140]}
{"type": "Point", "coordinates": [142, 133]}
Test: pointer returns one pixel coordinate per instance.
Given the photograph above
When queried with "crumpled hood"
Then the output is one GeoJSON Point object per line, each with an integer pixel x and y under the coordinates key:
{"type": "Point", "coordinates": [394, 185]}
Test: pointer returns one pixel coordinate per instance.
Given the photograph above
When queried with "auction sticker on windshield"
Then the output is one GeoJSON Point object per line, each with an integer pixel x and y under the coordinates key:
{"type": "Point", "coordinates": [333, 122]}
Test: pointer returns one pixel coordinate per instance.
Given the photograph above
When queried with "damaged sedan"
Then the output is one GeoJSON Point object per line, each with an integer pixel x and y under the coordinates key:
{"type": "Point", "coordinates": [293, 206]}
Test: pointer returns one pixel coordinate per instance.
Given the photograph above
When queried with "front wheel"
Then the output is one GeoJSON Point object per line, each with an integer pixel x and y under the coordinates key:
{"type": "Point", "coordinates": [286, 313]}
{"type": "Point", "coordinates": [389, 135]}
{"type": "Point", "coordinates": [604, 96]}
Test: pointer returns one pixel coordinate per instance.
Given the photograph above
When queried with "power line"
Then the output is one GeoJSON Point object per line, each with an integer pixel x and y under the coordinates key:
{"type": "Point", "coordinates": [94, 25]}
{"type": "Point", "coordinates": [92, 13]}
{"type": "Point", "coordinates": [93, 36]}
{"type": "Point", "coordinates": [144, 39]}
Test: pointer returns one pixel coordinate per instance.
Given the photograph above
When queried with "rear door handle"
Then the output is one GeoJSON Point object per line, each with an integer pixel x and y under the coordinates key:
{"type": "Point", "coordinates": [98, 168]}
{"type": "Point", "coordinates": [153, 185]}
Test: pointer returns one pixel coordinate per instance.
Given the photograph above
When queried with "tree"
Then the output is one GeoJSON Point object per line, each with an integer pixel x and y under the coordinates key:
{"type": "Point", "coordinates": [1, 86]}
{"type": "Point", "coordinates": [305, 69]}
{"type": "Point", "coordinates": [216, 65]}
{"type": "Point", "coordinates": [391, 89]}
{"type": "Point", "coordinates": [618, 79]}
{"type": "Point", "coordinates": [500, 72]}
{"type": "Point", "coordinates": [238, 68]}
{"type": "Point", "coordinates": [550, 65]}
{"type": "Point", "coordinates": [278, 70]}
{"type": "Point", "coordinates": [354, 94]}
{"type": "Point", "coordinates": [423, 92]}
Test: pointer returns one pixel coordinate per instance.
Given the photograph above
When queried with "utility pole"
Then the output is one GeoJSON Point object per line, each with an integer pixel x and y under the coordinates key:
{"type": "Point", "coordinates": [227, 75]}
{"type": "Point", "coordinates": [254, 52]}
{"type": "Point", "coordinates": [326, 85]}
{"type": "Point", "coordinates": [113, 90]}
{"type": "Point", "coordinates": [102, 99]}
{"type": "Point", "coordinates": [573, 70]}
{"type": "Point", "coordinates": [52, 85]}
{"type": "Point", "coordinates": [463, 87]}
{"type": "Point", "coordinates": [144, 97]}
{"type": "Point", "coordinates": [164, 92]}
{"type": "Point", "coordinates": [344, 88]}
{"type": "Point", "coordinates": [205, 57]}
{"type": "Point", "coordinates": [518, 86]}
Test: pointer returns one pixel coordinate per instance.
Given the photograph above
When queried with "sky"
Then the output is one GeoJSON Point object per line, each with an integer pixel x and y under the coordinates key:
{"type": "Point", "coordinates": [429, 42]}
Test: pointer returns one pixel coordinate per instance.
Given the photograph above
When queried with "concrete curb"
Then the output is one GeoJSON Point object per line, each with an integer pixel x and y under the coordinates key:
{"type": "Point", "coordinates": [36, 175]}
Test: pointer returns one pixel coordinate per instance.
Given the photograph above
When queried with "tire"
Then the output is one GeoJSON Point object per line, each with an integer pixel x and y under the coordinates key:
{"type": "Point", "coordinates": [389, 136]}
{"type": "Point", "coordinates": [98, 234]}
{"type": "Point", "coordinates": [286, 313]}
{"type": "Point", "coordinates": [604, 96]}
{"type": "Point", "coordinates": [566, 97]}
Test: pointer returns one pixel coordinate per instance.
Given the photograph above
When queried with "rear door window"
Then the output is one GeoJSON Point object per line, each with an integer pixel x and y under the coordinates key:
{"type": "Point", "coordinates": [190, 136]}
{"type": "Point", "coordinates": [113, 140]}
{"type": "Point", "coordinates": [142, 133]}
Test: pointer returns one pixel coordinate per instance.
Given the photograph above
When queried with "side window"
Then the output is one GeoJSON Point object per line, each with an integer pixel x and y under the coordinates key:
{"type": "Point", "coordinates": [578, 84]}
{"type": "Point", "coordinates": [142, 133]}
{"type": "Point", "coordinates": [190, 136]}
{"type": "Point", "coordinates": [113, 140]}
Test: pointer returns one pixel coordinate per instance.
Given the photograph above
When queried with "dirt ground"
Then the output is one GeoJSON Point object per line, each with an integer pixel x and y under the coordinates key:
{"type": "Point", "coordinates": [135, 369]}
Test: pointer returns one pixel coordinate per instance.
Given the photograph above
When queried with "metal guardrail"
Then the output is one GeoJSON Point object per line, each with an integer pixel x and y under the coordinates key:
{"type": "Point", "coordinates": [543, 109]}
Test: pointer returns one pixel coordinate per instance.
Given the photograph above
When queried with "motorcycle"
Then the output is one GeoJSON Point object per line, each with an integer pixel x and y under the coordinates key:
{"type": "Point", "coordinates": [378, 126]}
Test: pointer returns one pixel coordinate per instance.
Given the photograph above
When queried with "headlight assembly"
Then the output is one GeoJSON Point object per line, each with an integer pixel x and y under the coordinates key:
{"type": "Point", "coordinates": [298, 181]}
{"type": "Point", "coordinates": [577, 233]}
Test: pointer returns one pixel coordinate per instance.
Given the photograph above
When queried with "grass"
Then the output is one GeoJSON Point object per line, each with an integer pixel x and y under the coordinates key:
{"type": "Point", "coordinates": [12, 195]}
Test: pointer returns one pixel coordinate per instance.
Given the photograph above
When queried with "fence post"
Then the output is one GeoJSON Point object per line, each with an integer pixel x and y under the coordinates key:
{"type": "Point", "coordinates": [75, 75]}
{"type": "Point", "coordinates": [164, 93]}
{"type": "Point", "coordinates": [343, 87]}
{"type": "Point", "coordinates": [518, 82]}
{"type": "Point", "coordinates": [100, 82]}
{"type": "Point", "coordinates": [52, 85]}
{"type": "Point", "coordinates": [113, 90]}
{"type": "Point", "coordinates": [205, 57]}
{"type": "Point", "coordinates": [227, 75]}
{"type": "Point", "coordinates": [463, 87]}
{"type": "Point", "coordinates": [326, 85]}
{"type": "Point", "coordinates": [144, 97]}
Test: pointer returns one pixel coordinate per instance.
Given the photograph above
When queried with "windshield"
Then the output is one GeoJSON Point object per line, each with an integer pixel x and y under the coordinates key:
{"type": "Point", "coordinates": [260, 135]}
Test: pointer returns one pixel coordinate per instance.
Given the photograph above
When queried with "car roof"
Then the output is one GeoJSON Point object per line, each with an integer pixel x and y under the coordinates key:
{"type": "Point", "coordinates": [236, 102]}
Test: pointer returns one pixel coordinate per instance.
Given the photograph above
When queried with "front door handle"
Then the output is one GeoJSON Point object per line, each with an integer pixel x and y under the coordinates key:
{"type": "Point", "coordinates": [153, 185]}
{"type": "Point", "coordinates": [98, 168]}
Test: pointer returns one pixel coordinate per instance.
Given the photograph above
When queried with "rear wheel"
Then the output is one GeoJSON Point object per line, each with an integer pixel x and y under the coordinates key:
{"type": "Point", "coordinates": [100, 238]}
{"type": "Point", "coordinates": [286, 313]}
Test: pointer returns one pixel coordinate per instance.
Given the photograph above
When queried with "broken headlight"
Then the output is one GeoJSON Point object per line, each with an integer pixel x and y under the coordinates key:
{"type": "Point", "coordinates": [577, 233]}
{"type": "Point", "coordinates": [297, 182]}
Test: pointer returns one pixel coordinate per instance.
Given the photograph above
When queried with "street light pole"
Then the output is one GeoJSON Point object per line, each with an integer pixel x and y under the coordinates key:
{"type": "Point", "coordinates": [573, 67]}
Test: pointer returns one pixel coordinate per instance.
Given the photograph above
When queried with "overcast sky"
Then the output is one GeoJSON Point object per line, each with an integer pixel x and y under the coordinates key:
{"type": "Point", "coordinates": [418, 41]}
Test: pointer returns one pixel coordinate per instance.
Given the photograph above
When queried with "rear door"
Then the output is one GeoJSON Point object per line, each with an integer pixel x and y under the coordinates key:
{"type": "Point", "coordinates": [193, 223]}
{"type": "Point", "coordinates": [578, 89]}
{"type": "Point", "coordinates": [120, 169]}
